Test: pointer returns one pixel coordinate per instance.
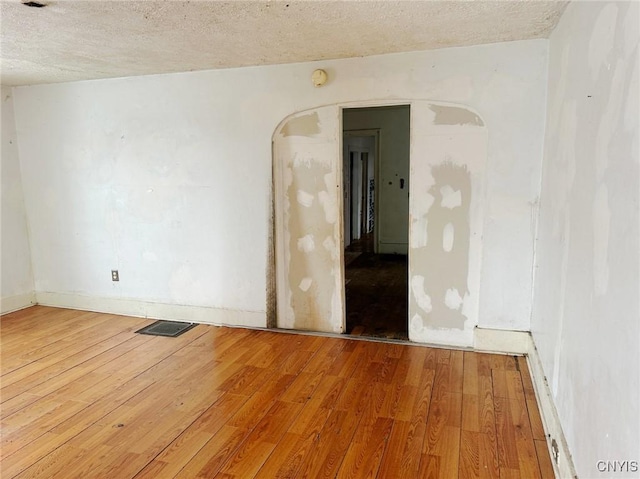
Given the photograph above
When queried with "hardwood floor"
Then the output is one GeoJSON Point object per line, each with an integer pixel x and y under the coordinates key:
{"type": "Point", "coordinates": [83, 396]}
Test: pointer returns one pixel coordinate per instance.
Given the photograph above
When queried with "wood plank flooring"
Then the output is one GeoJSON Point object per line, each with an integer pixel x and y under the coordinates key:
{"type": "Point", "coordinates": [83, 396]}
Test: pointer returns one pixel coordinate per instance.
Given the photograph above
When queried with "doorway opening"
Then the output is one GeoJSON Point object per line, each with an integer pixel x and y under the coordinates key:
{"type": "Point", "coordinates": [375, 170]}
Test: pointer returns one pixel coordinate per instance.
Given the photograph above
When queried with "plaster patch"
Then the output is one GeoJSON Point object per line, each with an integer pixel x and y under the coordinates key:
{"type": "Point", "coordinates": [450, 198]}
{"type": "Point", "coordinates": [421, 297]}
{"type": "Point", "coordinates": [306, 244]}
{"type": "Point", "coordinates": [566, 164]}
{"type": "Point", "coordinates": [609, 119]}
{"type": "Point", "coordinates": [554, 116]}
{"type": "Point", "coordinates": [418, 221]}
{"type": "Point", "coordinates": [303, 125]}
{"type": "Point", "coordinates": [329, 201]}
{"type": "Point", "coordinates": [416, 324]}
{"type": "Point", "coordinates": [602, 38]}
{"type": "Point", "coordinates": [446, 261]}
{"type": "Point", "coordinates": [330, 245]}
{"type": "Point", "coordinates": [304, 198]}
{"type": "Point", "coordinates": [454, 115]}
{"type": "Point", "coordinates": [305, 284]}
{"type": "Point", "coordinates": [300, 160]}
{"type": "Point", "coordinates": [448, 234]}
{"type": "Point", "coordinates": [601, 226]}
{"type": "Point", "coordinates": [452, 299]}
{"type": "Point", "coordinates": [305, 229]}
{"type": "Point", "coordinates": [630, 29]}
{"type": "Point", "coordinates": [631, 113]}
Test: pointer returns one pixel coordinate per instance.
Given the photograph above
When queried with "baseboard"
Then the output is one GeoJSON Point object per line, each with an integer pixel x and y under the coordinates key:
{"type": "Point", "coordinates": [563, 465]}
{"type": "Point", "coordinates": [501, 341]}
{"type": "Point", "coordinates": [489, 340]}
{"type": "Point", "coordinates": [153, 310]}
{"type": "Point", "coordinates": [14, 303]}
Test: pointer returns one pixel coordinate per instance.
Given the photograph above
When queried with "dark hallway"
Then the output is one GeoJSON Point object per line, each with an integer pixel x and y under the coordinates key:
{"type": "Point", "coordinates": [376, 292]}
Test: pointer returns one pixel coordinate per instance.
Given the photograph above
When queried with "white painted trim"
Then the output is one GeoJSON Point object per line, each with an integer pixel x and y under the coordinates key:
{"type": "Point", "coordinates": [501, 341]}
{"type": "Point", "coordinates": [14, 303]}
{"type": "Point", "coordinates": [564, 467]}
{"type": "Point", "coordinates": [148, 309]}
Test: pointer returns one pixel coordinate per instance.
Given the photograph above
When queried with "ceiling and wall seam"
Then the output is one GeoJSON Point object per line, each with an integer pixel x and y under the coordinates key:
{"type": "Point", "coordinates": [80, 40]}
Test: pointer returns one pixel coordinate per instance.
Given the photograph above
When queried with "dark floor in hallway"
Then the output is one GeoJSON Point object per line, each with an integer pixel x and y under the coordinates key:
{"type": "Point", "coordinates": [376, 294]}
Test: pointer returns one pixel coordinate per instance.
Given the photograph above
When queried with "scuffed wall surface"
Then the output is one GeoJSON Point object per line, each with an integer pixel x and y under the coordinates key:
{"type": "Point", "coordinates": [448, 168]}
{"type": "Point", "coordinates": [308, 230]}
{"type": "Point", "coordinates": [17, 278]}
{"type": "Point", "coordinates": [586, 314]}
{"type": "Point", "coordinates": [167, 178]}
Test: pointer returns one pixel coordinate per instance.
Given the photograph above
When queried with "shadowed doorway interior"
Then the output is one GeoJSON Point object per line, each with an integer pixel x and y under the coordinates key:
{"type": "Point", "coordinates": [376, 216]}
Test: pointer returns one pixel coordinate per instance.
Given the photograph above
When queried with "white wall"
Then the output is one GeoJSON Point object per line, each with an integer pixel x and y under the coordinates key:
{"type": "Point", "coordinates": [586, 321]}
{"type": "Point", "coordinates": [17, 278]}
{"type": "Point", "coordinates": [167, 178]}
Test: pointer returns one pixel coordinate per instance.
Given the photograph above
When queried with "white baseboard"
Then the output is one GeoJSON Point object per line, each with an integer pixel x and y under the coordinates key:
{"type": "Point", "coordinates": [501, 341]}
{"type": "Point", "coordinates": [147, 309]}
{"type": "Point", "coordinates": [14, 303]}
{"type": "Point", "coordinates": [563, 466]}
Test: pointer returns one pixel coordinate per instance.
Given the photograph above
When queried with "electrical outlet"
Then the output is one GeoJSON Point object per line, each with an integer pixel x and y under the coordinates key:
{"type": "Point", "coordinates": [115, 276]}
{"type": "Point", "coordinates": [554, 450]}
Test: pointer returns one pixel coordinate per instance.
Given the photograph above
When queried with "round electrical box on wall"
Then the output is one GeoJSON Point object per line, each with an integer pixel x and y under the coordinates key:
{"type": "Point", "coordinates": [319, 78]}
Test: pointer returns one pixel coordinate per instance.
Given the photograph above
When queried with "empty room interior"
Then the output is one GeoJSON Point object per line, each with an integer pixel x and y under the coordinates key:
{"type": "Point", "coordinates": [401, 238]}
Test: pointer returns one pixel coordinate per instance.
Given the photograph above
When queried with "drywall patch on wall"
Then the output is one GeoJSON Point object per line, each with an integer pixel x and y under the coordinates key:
{"type": "Point", "coordinates": [305, 284]}
{"type": "Point", "coordinates": [585, 314]}
{"type": "Point", "coordinates": [448, 235]}
{"type": "Point", "coordinates": [303, 125]}
{"type": "Point", "coordinates": [450, 197]}
{"type": "Point", "coordinates": [305, 199]}
{"type": "Point", "coordinates": [307, 274]}
{"type": "Point", "coordinates": [452, 299]}
{"type": "Point", "coordinates": [129, 126]}
{"type": "Point", "coordinates": [601, 226]}
{"type": "Point", "coordinates": [447, 181]}
{"type": "Point", "coordinates": [306, 244]}
{"type": "Point", "coordinates": [422, 298]}
{"type": "Point", "coordinates": [446, 262]}
{"type": "Point", "coordinates": [454, 115]}
{"type": "Point", "coordinates": [418, 221]}
{"type": "Point", "coordinates": [602, 38]}
{"type": "Point", "coordinates": [305, 261]}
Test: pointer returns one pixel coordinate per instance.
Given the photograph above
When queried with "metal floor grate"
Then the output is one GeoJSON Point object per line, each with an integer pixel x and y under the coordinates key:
{"type": "Point", "coordinates": [166, 328]}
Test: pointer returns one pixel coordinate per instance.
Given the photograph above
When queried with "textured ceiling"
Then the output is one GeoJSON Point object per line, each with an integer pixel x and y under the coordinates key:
{"type": "Point", "coordinates": [80, 40]}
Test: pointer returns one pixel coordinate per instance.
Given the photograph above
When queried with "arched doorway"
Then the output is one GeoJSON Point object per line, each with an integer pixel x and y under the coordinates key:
{"type": "Point", "coordinates": [448, 155]}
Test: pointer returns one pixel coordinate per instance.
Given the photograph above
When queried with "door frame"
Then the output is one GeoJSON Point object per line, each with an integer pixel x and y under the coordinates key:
{"type": "Point", "coordinates": [375, 133]}
{"type": "Point", "coordinates": [425, 133]}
